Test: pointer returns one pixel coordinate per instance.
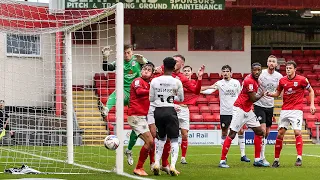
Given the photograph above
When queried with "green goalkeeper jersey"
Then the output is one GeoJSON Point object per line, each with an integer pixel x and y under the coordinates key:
{"type": "Point", "coordinates": [131, 70]}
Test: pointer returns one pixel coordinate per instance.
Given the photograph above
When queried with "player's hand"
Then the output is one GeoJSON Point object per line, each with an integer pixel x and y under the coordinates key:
{"type": "Point", "coordinates": [177, 108]}
{"type": "Point", "coordinates": [139, 58]}
{"type": "Point", "coordinates": [106, 51]}
{"type": "Point", "coordinates": [313, 109]}
{"type": "Point", "coordinates": [158, 70]}
{"type": "Point", "coordinates": [268, 94]}
{"type": "Point", "coordinates": [201, 72]}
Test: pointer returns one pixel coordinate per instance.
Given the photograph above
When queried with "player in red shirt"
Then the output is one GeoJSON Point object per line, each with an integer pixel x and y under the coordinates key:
{"type": "Point", "coordinates": [137, 114]}
{"type": "Point", "coordinates": [293, 87]}
{"type": "Point", "coordinates": [243, 114]}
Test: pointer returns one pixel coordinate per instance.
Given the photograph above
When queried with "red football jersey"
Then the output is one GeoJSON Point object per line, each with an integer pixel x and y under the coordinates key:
{"type": "Point", "coordinates": [249, 85]}
{"type": "Point", "coordinates": [293, 92]}
{"type": "Point", "coordinates": [189, 97]}
{"type": "Point", "coordinates": [139, 98]}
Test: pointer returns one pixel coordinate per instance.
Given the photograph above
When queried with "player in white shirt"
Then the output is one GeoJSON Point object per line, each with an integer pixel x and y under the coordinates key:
{"type": "Point", "coordinates": [263, 108]}
{"type": "Point", "coordinates": [229, 89]}
{"type": "Point", "coordinates": [163, 91]}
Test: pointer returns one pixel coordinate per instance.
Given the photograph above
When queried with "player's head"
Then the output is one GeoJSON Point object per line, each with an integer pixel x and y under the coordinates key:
{"type": "Point", "coordinates": [256, 70]}
{"type": "Point", "coordinates": [291, 67]}
{"type": "Point", "coordinates": [180, 60]}
{"type": "Point", "coordinates": [226, 72]}
{"type": "Point", "coordinates": [272, 62]}
{"type": "Point", "coordinates": [187, 71]}
{"type": "Point", "coordinates": [169, 65]}
{"type": "Point", "coordinates": [127, 52]}
{"type": "Point", "coordinates": [147, 70]}
{"type": "Point", "coordinates": [2, 104]}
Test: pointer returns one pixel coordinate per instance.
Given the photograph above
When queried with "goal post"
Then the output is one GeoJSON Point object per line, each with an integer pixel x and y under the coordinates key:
{"type": "Point", "coordinates": [49, 62]}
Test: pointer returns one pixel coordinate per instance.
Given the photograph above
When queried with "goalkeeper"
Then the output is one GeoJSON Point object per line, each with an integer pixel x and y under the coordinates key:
{"type": "Point", "coordinates": [132, 69]}
{"type": "Point", "coordinates": [4, 121]}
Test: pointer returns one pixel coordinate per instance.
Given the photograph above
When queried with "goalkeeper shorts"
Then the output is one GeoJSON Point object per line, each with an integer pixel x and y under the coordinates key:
{"type": "Point", "coordinates": [3, 133]}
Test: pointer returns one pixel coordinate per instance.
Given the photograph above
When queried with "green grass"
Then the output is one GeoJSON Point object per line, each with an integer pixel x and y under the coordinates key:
{"type": "Point", "coordinates": [203, 163]}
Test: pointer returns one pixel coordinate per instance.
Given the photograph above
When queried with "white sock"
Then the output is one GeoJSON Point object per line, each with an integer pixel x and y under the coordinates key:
{"type": "Point", "coordinates": [299, 157]}
{"type": "Point", "coordinates": [242, 145]}
{"type": "Point", "coordinates": [159, 150]}
{"type": "Point", "coordinates": [174, 152]}
{"type": "Point", "coordinates": [263, 149]}
{"type": "Point", "coordinates": [257, 159]}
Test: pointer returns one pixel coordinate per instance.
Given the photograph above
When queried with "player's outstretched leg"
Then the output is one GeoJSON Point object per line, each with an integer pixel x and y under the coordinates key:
{"type": "Point", "coordinates": [225, 148]}
{"type": "Point", "coordinates": [144, 152]}
{"type": "Point", "coordinates": [259, 135]}
{"type": "Point", "coordinates": [128, 152]}
{"type": "Point", "coordinates": [278, 147]}
{"type": "Point", "coordinates": [242, 145]}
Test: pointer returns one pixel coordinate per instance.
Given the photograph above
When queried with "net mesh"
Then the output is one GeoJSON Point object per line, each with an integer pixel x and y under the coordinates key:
{"type": "Point", "coordinates": [33, 86]}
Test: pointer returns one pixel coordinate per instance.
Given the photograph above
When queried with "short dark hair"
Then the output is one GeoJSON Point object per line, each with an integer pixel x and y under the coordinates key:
{"type": "Point", "coordinates": [1, 101]}
{"type": "Point", "coordinates": [187, 66]}
{"type": "Point", "coordinates": [169, 63]}
{"type": "Point", "coordinates": [226, 67]}
{"type": "Point", "coordinates": [150, 64]}
{"type": "Point", "coordinates": [127, 46]}
{"type": "Point", "coordinates": [292, 63]}
{"type": "Point", "coordinates": [180, 56]}
{"type": "Point", "coordinates": [255, 64]}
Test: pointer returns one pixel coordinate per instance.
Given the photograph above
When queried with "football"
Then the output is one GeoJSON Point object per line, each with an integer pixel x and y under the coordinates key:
{"type": "Point", "coordinates": [111, 142]}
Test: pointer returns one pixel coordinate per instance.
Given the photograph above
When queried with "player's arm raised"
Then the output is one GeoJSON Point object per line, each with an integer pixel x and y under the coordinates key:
{"type": "Point", "coordinates": [140, 91]}
{"type": "Point", "coordinates": [209, 89]}
{"type": "Point", "coordinates": [106, 52]}
{"type": "Point", "coordinates": [140, 59]}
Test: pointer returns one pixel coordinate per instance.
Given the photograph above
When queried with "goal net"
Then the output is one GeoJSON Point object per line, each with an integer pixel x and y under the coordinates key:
{"type": "Point", "coordinates": [52, 82]}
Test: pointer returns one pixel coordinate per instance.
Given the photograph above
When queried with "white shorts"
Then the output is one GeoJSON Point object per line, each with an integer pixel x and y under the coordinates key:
{"type": "Point", "coordinates": [150, 116]}
{"type": "Point", "coordinates": [138, 124]}
{"type": "Point", "coordinates": [184, 117]}
{"type": "Point", "coordinates": [240, 118]}
{"type": "Point", "coordinates": [293, 117]}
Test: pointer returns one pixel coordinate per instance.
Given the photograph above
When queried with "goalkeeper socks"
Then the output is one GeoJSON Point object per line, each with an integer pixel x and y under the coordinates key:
{"type": "Point", "coordinates": [257, 147]}
{"type": "Point", "coordinates": [299, 146]}
{"type": "Point", "coordinates": [174, 152]}
{"type": "Point", "coordinates": [242, 145]}
{"type": "Point", "coordinates": [277, 149]}
{"type": "Point", "coordinates": [166, 153]}
{"type": "Point", "coordinates": [159, 150]}
{"type": "Point", "coordinates": [144, 152]}
{"type": "Point", "coordinates": [264, 142]}
{"type": "Point", "coordinates": [133, 140]}
{"type": "Point", "coordinates": [151, 153]}
{"type": "Point", "coordinates": [225, 148]}
{"type": "Point", "coordinates": [184, 147]}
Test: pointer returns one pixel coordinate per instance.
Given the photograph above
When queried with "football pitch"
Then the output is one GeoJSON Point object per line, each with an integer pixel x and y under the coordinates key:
{"type": "Point", "coordinates": [202, 163]}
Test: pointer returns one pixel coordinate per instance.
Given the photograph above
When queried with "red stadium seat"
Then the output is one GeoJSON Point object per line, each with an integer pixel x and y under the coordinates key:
{"type": "Point", "coordinates": [276, 53]}
{"type": "Point", "coordinates": [104, 99]}
{"type": "Point", "coordinates": [297, 53]}
{"type": "Point", "coordinates": [111, 117]}
{"type": "Point", "coordinates": [311, 118]}
{"type": "Point", "coordinates": [282, 67]}
{"type": "Point", "coordinates": [205, 109]}
{"type": "Point", "coordinates": [317, 52]}
{"type": "Point", "coordinates": [308, 53]}
{"type": "Point", "coordinates": [101, 83]}
{"type": "Point", "coordinates": [301, 61]}
{"type": "Point", "coordinates": [313, 61]}
{"type": "Point", "coordinates": [217, 117]}
{"type": "Point", "coordinates": [206, 82]}
{"type": "Point", "coordinates": [194, 109]}
{"type": "Point", "coordinates": [274, 126]}
{"type": "Point", "coordinates": [208, 118]}
{"type": "Point", "coordinates": [306, 109]}
{"type": "Point", "coordinates": [316, 85]}
{"type": "Point", "coordinates": [316, 68]}
{"type": "Point", "coordinates": [205, 76]}
{"type": "Point", "coordinates": [99, 76]}
{"type": "Point", "coordinates": [111, 83]}
{"type": "Point", "coordinates": [306, 68]}
{"type": "Point", "coordinates": [213, 100]}
{"type": "Point", "coordinates": [245, 75]}
{"type": "Point", "coordinates": [237, 76]}
{"type": "Point", "coordinates": [202, 100]}
{"type": "Point", "coordinates": [218, 127]}
{"type": "Point", "coordinates": [111, 75]}
{"type": "Point", "coordinates": [214, 76]}
{"type": "Point", "coordinates": [317, 92]}
{"type": "Point", "coordinates": [126, 127]}
{"type": "Point", "coordinates": [210, 127]}
{"type": "Point", "coordinates": [192, 126]}
{"type": "Point", "coordinates": [312, 76]}
{"type": "Point", "coordinates": [196, 118]}
{"type": "Point", "coordinates": [215, 109]}
{"type": "Point", "coordinates": [201, 126]}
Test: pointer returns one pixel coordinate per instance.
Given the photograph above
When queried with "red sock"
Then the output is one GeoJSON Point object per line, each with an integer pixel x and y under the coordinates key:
{"type": "Point", "coordinates": [152, 153]}
{"type": "Point", "coordinates": [257, 146]}
{"type": "Point", "coordinates": [299, 145]}
{"type": "Point", "coordinates": [277, 148]}
{"type": "Point", "coordinates": [225, 147]}
{"type": "Point", "coordinates": [184, 147]}
{"type": "Point", "coordinates": [143, 156]}
{"type": "Point", "coordinates": [166, 153]}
